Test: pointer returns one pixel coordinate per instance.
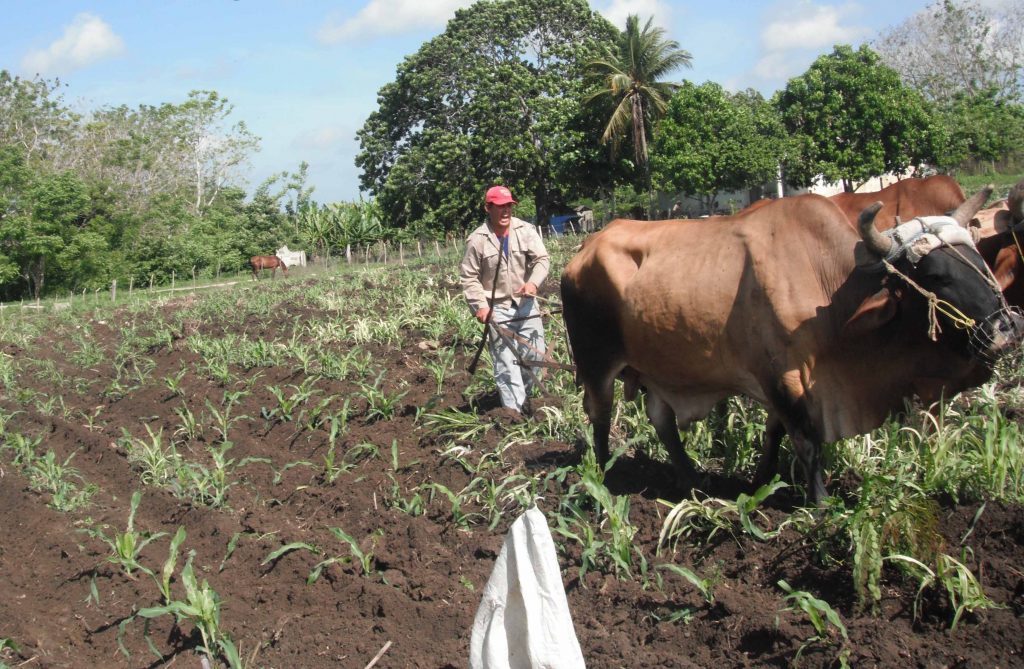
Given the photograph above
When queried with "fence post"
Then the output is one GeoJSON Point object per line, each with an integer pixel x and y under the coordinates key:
{"type": "Point", "coordinates": [385, 245]}
{"type": "Point", "coordinates": [151, 283]}
{"type": "Point", "coordinates": [113, 291]}
{"type": "Point", "coordinates": [96, 296]}
{"type": "Point", "coordinates": [348, 253]}
{"type": "Point", "coordinates": [131, 284]}
{"type": "Point", "coordinates": [172, 280]}
{"type": "Point", "coordinates": [419, 249]}
{"type": "Point", "coordinates": [193, 278]}
{"type": "Point", "coordinates": [401, 254]}
{"type": "Point", "coordinates": [437, 249]}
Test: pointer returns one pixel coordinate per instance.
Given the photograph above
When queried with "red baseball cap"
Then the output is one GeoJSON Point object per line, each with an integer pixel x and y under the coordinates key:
{"type": "Point", "coordinates": [499, 195]}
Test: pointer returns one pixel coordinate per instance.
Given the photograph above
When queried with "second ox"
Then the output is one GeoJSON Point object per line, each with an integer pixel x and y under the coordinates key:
{"type": "Point", "coordinates": [789, 305]}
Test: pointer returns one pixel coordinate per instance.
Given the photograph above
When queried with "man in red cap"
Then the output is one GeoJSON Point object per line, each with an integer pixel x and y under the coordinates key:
{"type": "Point", "coordinates": [505, 262]}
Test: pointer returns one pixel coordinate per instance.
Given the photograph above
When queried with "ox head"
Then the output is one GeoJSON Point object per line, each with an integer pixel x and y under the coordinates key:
{"type": "Point", "coordinates": [1011, 218]}
{"type": "Point", "coordinates": [935, 256]}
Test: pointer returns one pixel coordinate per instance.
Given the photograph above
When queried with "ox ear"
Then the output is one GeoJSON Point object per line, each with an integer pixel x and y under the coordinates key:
{"type": "Point", "coordinates": [873, 313]}
{"type": "Point", "coordinates": [1002, 221]}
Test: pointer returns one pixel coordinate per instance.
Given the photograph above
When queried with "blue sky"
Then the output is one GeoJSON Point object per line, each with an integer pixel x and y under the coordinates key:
{"type": "Point", "coordinates": [304, 74]}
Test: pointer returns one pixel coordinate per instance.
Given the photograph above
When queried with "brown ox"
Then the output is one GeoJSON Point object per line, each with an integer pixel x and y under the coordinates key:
{"type": "Point", "coordinates": [260, 263]}
{"type": "Point", "coordinates": [788, 305]}
{"type": "Point", "coordinates": [1002, 243]}
{"type": "Point", "coordinates": [905, 199]}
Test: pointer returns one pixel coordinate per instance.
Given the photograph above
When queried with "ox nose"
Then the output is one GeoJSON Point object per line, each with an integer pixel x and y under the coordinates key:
{"type": "Point", "coordinates": [1001, 332]}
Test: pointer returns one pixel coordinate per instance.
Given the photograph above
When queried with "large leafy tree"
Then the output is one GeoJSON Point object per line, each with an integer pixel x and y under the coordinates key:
{"type": "Point", "coordinates": [852, 118]}
{"type": "Point", "coordinates": [959, 48]}
{"type": "Point", "coordinates": [627, 79]}
{"type": "Point", "coordinates": [967, 59]}
{"type": "Point", "coordinates": [34, 118]}
{"type": "Point", "coordinates": [492, 99]}
{"type": "Point", "coordinates": [712, 141]}
{"type": "Point", "coordinates": [981, 129]}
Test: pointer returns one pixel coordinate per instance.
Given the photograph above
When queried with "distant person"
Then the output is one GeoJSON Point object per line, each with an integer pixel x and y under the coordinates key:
{"type": "Point", "coordinates": [504, 264]}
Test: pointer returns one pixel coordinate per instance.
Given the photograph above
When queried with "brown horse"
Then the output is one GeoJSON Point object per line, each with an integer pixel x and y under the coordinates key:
{"type": "Point", "coordinates": [267, 262]}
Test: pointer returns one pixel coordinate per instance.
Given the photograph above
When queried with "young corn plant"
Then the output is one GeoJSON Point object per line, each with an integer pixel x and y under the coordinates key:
{"type": "Point", "coordinates": [828, 626]}
{"type": "Point", "coordinates": [223, 420]}
{"type": "Point", "coordinates": [174, 383]}
{"type": "Point", "coordinates": [706, 517]}
{"type": "Point", "coordinates": [49, 475]}
{"type": "Point", "coordinates": [962, 588]}
{"type": "Point", "coordinates": [24, 447]}
{"type": "Point", "coordinates": [333, 466]}
{"type": "Point", "coordinates": [126, 547]}
{"type": "Point", "coordinates": [364, 558]}
{"type": "Point", "coordinates": [381, 404]}
{"type": "Point", "coordinates": [892, 515]}
{"type": "Point", "coordinates": [157, 462]}
{"type": "Point", "coordinates": [202, 609]}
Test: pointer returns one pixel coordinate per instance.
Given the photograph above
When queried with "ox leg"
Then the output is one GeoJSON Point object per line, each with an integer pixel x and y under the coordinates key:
{"type": "Point", "coordinates": [792, 413]}
{"type": "Point", "coordinates": [769, 463]}
{"type": "Point", "coordinates": [663, 418]}
{"type": "Point", "coordinates": [808, 451]}
{"type": "Point", "coordinates": [597, 401]}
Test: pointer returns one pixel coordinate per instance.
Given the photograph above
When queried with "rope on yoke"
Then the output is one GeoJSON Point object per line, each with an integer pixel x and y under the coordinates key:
{"type": "Point", "coordinates": [935, 303]}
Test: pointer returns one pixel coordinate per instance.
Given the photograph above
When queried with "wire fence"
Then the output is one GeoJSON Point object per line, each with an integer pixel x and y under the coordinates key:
{"type": "Point", "coordinates": [124, 289]}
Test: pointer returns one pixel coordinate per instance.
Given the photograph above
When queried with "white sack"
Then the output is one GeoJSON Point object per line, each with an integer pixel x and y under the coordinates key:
{"type": "Point", "coordinates": [523, 621]}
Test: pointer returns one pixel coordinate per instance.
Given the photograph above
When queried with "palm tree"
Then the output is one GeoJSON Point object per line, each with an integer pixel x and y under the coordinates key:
{"type": "Point", "coordinates": [628, 77]}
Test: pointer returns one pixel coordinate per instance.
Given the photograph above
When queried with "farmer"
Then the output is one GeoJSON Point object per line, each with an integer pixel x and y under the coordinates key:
{"type": "Point", "coordinates": [504, 264]}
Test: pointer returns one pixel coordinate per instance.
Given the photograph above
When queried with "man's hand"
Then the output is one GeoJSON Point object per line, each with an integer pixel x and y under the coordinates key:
{"type": "Point", "coordinates": [529, 289]}
{"type": "Point", "coordinates": [482, 314]}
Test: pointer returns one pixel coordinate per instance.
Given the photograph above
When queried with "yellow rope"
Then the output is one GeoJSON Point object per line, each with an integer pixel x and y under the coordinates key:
{"type": "Point", "coordinates": [960, 320]}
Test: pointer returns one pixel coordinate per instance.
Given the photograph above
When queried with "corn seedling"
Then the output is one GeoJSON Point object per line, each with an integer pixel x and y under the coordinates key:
{"type": "Point", "coordinates": [380, 404]}
{"type": "Point", "coordinates": [158, 463]}
{"type": "Point", "coordinates": [823, 618]}
{"type": "Point", "coordinates": [459, 516]}
{"type": "Point", "coordinates": [90, 419]}
{"type": "Point", "coordinates": [706, 517]}
{"type": "Point", "coordinates": [705, 586]}
{"type": "Point", "coordinates": [457, 425]}
{"type": "Point", "coordinates": [413, 506]}
{"type": "Point", "coordinates": [174, 384]}
{"type": "Point", "coordinates": [189, 428]}
{"type": "Point", "coordinates": [892, 516]}
{"type": "Point", "coordinates": [24, 448]}
{"type": "Point", "coordinates": [127, 546]}
{"type": "Point", "coordinates": [202, 608]}
{"type": "Point", "coordinates": [223, 420]}
{"type": "Point", "coordinates": [49, 475]}
{"type": "Point", "coordinates": [961, 586]}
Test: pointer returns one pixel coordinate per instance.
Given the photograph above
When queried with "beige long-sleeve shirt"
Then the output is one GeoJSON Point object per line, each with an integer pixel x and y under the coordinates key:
{"type": "Point", "coordinates": [527, 262]}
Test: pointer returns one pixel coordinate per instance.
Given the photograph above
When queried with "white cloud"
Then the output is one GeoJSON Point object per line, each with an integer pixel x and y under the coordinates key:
{"type": "Point", "coordinates": [806, 26]}
{"type": "Point", "coordinates": [86, 40]}
{"type": "Point", "coordinates": [796, 33]}
{"type": "Point", "coordinates": [616, 12]}
{"type": "Point", "coordinates": [389, 17]}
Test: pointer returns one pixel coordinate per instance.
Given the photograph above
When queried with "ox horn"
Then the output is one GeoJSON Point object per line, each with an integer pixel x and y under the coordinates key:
{"type": "Point", "coordinates": [875, 241]}
{"type": "Point", "coordinates": [966, 211]}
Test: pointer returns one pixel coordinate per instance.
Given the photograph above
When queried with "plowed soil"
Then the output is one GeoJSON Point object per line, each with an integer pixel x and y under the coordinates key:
{"type": "Point", "coordinates": [62, 604]}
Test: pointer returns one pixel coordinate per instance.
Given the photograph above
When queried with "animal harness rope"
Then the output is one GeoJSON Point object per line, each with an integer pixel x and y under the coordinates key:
{"type": "Point", "coordinates": [959, 319]}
